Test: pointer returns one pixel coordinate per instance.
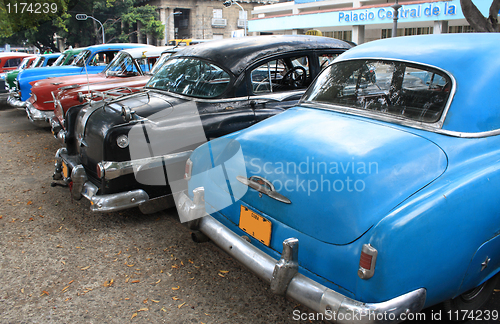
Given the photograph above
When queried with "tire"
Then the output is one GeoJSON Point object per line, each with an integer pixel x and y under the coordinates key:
{"type": "Point", "coordinates": [472, 299]}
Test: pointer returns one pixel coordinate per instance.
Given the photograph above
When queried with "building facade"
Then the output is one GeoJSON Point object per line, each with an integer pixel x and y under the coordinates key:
{"type": "Point", "coordinates": [360, 21]}
{"type": "Point", "coordinates": [203, 19]}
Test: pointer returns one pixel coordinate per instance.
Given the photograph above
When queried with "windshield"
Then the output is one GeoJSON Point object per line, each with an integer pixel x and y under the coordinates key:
{"type": "Point", "coordinates": [81, 58]}
{"type": "Point", "coordinates": [60, 60]}
{"type": "Point", "coordinates": [191, 77]}
{"type": "Point", "coordinates": [24, 64]}
{"type": "Point", "coordinates": [122, 65]}
{"type": "Point", "coordinates": [394, 88]}
{"type": "Point", "coordinates": [38, 62]}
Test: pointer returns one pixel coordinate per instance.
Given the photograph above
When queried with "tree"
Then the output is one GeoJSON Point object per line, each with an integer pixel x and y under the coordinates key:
{"type": "Point", "coordinates": [476, 19]}
{"type": "Point", "coordinates": [119, 17]}
{"type": "Point", "coordinates": [31, 21]}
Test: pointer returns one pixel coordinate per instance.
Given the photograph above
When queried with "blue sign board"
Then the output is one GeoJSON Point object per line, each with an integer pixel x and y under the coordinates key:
{"type": "Point", "coordinates": [420, 12]}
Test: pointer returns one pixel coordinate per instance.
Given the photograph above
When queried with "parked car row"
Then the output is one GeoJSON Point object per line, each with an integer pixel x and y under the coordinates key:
{"type": "Point", "coordinates": [379, 161]}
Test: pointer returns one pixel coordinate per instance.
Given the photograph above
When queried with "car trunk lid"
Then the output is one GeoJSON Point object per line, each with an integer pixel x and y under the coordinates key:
{"type": "Point", "coordinates": [341, 174]}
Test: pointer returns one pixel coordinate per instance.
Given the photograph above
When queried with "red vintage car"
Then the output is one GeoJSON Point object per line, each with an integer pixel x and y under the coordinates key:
{"type": "Point", "coordinates": [130, 67]}
{"type": "Point", "coordinates": [11, 60]}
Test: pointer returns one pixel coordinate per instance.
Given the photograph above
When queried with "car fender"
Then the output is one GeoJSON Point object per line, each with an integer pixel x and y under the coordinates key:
{"type": "Point", "coordinates": [434, 238]}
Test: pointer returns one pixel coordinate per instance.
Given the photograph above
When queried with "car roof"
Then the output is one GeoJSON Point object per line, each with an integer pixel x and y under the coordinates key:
{"type": "Point", "coordinates": [49, 55]}
{"type": "Point", "coordinates": [237, 53]}
{"type": "Point", "coordinates": [71, 50]}
{"type": "Point", "coordinates": [147, 51]}
{"type": "Point", "coordinates": [114, 46]}
{"type": "Point", "coordinates": [15, 54]}
{"type": "Point", "coordinates": [472, 60]}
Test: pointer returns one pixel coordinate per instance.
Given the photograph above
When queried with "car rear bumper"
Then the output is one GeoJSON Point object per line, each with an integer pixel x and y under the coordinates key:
{"type": "Point", "coordinates": [39, 117]}
{"type": "Point", "coordinates": [69, 169]}
{"type": "Point", "coordinates": [284, 278]}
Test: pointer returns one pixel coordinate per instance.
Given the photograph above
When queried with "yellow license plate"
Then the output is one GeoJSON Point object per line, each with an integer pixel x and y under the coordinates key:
{"type": "Point", "coordinates": [65, 170]}
{"type": "Point", "coordinates": [255, 225]}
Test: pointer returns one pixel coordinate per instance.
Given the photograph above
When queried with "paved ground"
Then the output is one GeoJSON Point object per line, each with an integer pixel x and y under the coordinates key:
{"type": "Point", "coordinates": [60, 263]}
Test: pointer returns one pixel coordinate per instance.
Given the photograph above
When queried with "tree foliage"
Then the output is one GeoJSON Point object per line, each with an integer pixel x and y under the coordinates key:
{"type": "Point", "coordinates": [120, 19]}
{"type": "Point", "coordinates": [476, 19]}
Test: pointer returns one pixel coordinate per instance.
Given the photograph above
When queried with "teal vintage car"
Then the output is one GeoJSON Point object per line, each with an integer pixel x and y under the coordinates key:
{"type": "Point", "coordinates": [376, 196]}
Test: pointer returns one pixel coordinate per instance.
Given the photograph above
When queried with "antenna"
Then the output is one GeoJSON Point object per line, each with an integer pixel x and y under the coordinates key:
{"type": "Point", "coordinates": [88, 82]}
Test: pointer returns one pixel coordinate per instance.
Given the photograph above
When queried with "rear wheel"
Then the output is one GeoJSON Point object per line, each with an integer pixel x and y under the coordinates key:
{"type": "Point", "coordinates": [470, 300]}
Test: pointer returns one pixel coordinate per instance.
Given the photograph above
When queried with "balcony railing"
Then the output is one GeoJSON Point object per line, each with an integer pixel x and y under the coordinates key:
{"type": "Point", "coordinates": [219, 22]}
{"type": "Point", "coordinates": [241, 23]}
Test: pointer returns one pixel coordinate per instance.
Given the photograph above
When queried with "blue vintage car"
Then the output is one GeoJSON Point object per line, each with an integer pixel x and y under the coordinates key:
{"type": "Point", "coordinates": [376, 196]}
{"type": "Point", "coordinates": [92, 60]}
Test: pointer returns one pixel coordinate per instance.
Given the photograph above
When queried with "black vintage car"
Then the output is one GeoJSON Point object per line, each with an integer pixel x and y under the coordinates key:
{"type": "Point", "coordinates": [128, 151]}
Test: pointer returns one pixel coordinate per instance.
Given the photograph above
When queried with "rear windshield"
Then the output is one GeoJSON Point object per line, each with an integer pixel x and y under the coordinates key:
{"type": "Point", "coordinates": [394, 88]}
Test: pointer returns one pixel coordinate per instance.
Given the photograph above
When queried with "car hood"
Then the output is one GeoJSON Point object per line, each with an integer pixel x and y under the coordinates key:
{"type": "Point", "coordinates": [48, 71]}
{"type": "Point", "coordinates": [341, 174]}
{"type": "Point", "coordinates": [63, 81]}
{"type": "Point", "coordinates": [94, 123]}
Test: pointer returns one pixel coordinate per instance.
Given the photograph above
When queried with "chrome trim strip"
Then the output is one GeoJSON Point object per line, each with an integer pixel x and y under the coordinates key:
{"type": "Point", "coordinates": [113, 170]}
{"type": "Point", "coordinates": [399, 121]}
{"type": "Point", "coordinates": [306, 291]}
{"type": "Point", "coordinates": [216, 100]}
{"type": "Point", "coordinates": [278, 96]}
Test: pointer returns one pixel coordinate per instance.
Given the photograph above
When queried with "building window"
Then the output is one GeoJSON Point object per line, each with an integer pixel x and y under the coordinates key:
{"type": "Point", "coordinates": [343, 35]}
{"type": "Point", "coordinates": [418, 31]}
{"type": "Point", "coordinates": [217, 14]}
{"type": "Point", "coordinates": [460, 29]}
{"type": "Point", "coordinates": [387, 33]}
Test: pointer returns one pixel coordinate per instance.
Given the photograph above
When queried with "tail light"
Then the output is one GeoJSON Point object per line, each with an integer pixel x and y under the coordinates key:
{"type": "Point", "coordinates": [367, 261]}
{"type": "Point", "coordinates": [100, 170]}
{"type": "Point", "coordinates": [188, 170]}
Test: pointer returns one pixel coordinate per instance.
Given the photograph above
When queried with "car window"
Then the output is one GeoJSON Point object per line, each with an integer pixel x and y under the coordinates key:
{"type": "Point", "coordinates": [13, 62]}
{"type": "Point", "coordinates": [191, 77]}
{"type": "Point", "coordinates": [401, 89]}
{"type": "Point", "coordinates": [51, 61]}
{"type": "Point", "coordinates": [97, 59]}
{"type": "Point", "coordinates": [146, 64]}
{"type": "Point", "coordinates": [326, 59]}
{"type": "Point", "coordinates": [281, 75]}
{"type": "Point", "coordinates": [102, 58]}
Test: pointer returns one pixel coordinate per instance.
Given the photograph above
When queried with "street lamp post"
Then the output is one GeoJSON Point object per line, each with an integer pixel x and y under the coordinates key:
{"type": "Point", "coordinates": [84, 17]}
{"type": "Point", "coordinates": [396, 7]}
{"type": "Point", "coordinates": [228, 4]}
{"type": "Point", "coordinates": [166, 24]}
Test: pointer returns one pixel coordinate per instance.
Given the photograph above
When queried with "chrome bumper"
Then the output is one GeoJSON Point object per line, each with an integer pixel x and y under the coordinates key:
{"type": "Point", "coordinates": [56, 127]}
{"type": "Point", "coordinates": [283, 276]}
{"type": "Point", "coordinates": [14, 101]}
{"type": "Point", "coordinates": [82, 187]}
{"type": "Point", "coordinates": [38, 117]}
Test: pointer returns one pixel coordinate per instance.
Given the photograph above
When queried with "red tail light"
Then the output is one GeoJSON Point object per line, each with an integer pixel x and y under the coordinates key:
{"type": "Point", "coordinates": [367, 261]}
